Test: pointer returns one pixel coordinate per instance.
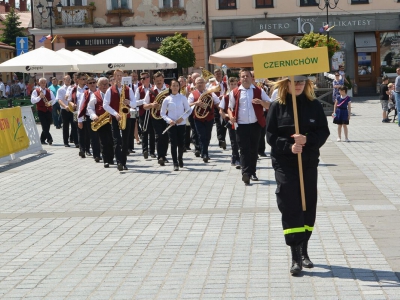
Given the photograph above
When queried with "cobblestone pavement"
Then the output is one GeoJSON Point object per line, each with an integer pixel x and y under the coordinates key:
{"type": "Point", "coordinates": [70, 229]}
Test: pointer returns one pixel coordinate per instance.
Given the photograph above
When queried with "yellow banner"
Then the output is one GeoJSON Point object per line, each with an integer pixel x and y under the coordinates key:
{"type": "Point", "coordinates": [286, 63]}
{"type": "Point", "coordinates": [13, 136]}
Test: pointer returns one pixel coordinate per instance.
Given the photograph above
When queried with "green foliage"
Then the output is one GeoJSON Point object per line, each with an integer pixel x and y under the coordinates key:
{"type": "Point", "coordinates": [12, 28]}
{"type": "Point", "coordinates": [313, 40]}
{"type": "Point", "coordinates": [179, 49]}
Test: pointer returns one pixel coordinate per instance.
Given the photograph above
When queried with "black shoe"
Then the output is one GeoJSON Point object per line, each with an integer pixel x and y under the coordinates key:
{"type": "Point", "coordinates": [146, 154]}
{"type": "Point", "coordinates": [76, 146]}
{"type": "Point", "coordinates": [262, 154]}
{"type": "Point", "coordinates": [254, 177]}
{"type": "Point", "coordinates": [184, 149]}
{"type": "Point", "coordinates": [125, 168]}
{"type": "Point", "coordinates": [233, 162]}
{"type": "Point", "coordinates": [237, 164]}
{"type": "Point", "coordinates": [180, 163]}
{"type": "Point", "coordinates": [153, 155]}
{"type": "Point", "coordinates": [97, 159]}
{"type": "Point", "coordinates": [296, 260]}
{"type": "Point", "coordinates": [246, 179]}
{"type": "Point", "coordinates": [71, 141]}
{"type": "Point", "coordinates": [67, 145]}
{"type": "Point", "coordinates": [205, 159]}
{"type": "Point", "coordinates": [307, 263]}
{"type": "Point", "coordinates": [82, 154]}
{"type": "Point", "coordinates": [166, 160]}
{"type": "Point", "coordinates": [197, 153]}
{"type": "Point", "coordinates": [88, 153]}
{"type": "Point", "coordinates": [176, 168]}
{"type": "Point", "coordinates": [161, 162]}
{"type": "Point", "coordinates": [223, 145]}
{"type": "Point", "coordinates": [44, 143]}
{"type": "Point", "coordinates": [50, 142]}
{"type": "Point", "coordinates": [58, 127]}
{"type": "Point", "coordinates": [106, 165]}
{"type": "Point", "coordinates": [120, 167]}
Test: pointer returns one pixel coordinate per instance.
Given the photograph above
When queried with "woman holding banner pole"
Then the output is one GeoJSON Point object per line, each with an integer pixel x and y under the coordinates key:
{"type": "Point", "coordinates": [286, 146]}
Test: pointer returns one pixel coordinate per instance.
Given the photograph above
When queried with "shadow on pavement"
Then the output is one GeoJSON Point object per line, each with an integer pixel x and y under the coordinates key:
{"type": "Point", "coordinates": [24, 161]}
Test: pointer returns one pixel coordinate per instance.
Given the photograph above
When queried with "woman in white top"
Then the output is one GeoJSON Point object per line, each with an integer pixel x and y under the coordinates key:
{"type": "Point", "coordinates": [174, 110]}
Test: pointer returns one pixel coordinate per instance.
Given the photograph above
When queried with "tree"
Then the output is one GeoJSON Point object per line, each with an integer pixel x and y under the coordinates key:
{"type": "Point", "coordinates": [179, 49]}
{"type": "Point", "coordinates": [11, 29]}
{"type": "Point", "coordinates": [313, 40]}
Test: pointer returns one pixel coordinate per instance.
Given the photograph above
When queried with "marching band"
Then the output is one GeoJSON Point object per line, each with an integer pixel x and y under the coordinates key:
{"type": "Point", "coordinates": [100, 114]}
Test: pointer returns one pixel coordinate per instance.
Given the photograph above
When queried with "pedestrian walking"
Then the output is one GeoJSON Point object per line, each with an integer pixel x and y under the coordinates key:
{"type": "Point", "coordinates": [341, 113]}
{"type": "Point", "coordinates": [384, 98]}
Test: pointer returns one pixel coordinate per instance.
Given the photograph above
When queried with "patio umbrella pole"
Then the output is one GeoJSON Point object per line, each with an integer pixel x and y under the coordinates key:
{"type": "Point", "coordinates": [297, 130]}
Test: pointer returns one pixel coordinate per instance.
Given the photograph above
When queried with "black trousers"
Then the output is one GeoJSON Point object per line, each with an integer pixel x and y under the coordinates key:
{"type": "Point", "coordinates": [161, 139]}
{"type": "Point", "coordinates": [195, 136]}
{"type": "Point", "coordinates": [221, 130]}
{"type": "Point", "coordinates": [204, 130]}
{"type": "Point", "coordinates": [177, 138]}
{"type": "Point", "coordinates": [45, 119]}
{"type": "Point", "coordinates": [297, 224]}
{"type": "Point", "coordinates": [247, 137]}
{"type": "Point", "coordinates": [148, 136]}
{"type": "Point", "coordinates": [261, 142]}
{"type": "Point", "coordinates": [67, 118]}
{"type": "Point", "coordinates": [132, 134]}
{"type": "Point", "coordinates": [106, 143]}
{"type": "Point", "coordinates": [187, 136]}
{"type": "Point", "coordinates": [120, 138]}
{"type": "Point", "coordinates": [84, 137]}
{"type": "Point", "coordinates": [234, 145]}
{"type": "Point", "coordinates": [56, 114]}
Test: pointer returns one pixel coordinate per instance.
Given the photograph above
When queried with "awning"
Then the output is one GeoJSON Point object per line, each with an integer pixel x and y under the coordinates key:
{"type": "Point", "coordinates": [365, 42]}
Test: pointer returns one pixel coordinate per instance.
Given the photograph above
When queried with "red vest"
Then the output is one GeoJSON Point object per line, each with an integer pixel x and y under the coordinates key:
{"type": "Point", "coordinates": [41, 106]}
{"type": "Point", "coordinates": [115, 98]}
{"type": "Point", "coordinates": [225, 88]}
{"type": "Point", "coordinates": [142, 95]}
{"type": "Point", "coordinates": [99, 104]}
{"type": "Point", "coordinates": [73, 94]}
{"type": "Point", "coordinates": [258, 109]}
{"type": "Point", "coordinates": [153, 92]}
{"type": "Point", "coordinates": [210, 116]}
{"type": "Point", "coordinates": [86, 99]}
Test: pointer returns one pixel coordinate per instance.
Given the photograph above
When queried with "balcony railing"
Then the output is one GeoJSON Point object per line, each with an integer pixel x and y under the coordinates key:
{"type": "Point", "coordinates": [75, 15]}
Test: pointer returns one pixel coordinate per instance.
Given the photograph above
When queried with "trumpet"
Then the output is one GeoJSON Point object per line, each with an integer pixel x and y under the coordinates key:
{"type": "Point", "coordinates": [43, 97]}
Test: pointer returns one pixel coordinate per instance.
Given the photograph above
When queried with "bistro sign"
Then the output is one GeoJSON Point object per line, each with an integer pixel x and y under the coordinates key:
{"type": "Point", "coordinates": [100, 41]}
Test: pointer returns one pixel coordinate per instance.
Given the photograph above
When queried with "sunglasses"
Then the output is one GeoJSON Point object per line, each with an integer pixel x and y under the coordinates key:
{"type": "Point", "coordinates": [92, 82]}
{"type": "Point", "coordinates": [143, 78]}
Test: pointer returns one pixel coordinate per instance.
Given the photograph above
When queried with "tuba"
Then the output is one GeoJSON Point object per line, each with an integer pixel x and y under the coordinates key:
{"type": "Point", "coordinates": [123, 109]}
{"type": "Point", "coordinates": [101, 121]}
{"type": "Point", "coordinates": [159, 100]}
{"type": "Point", "coordinates": [206, 97]}
{"type": "Point", "coordinates": [206, 74]}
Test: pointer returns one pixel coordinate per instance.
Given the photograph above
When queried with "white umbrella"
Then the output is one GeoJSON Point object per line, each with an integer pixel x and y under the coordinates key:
{"type": "Point", "coordinates": [82, 54]}
{"type": "Point", "coordinates": [164, 62]}
{"type": "Point", "coordinates": [74, 58]}
{"type": "Point", "coordinates": [40, 60]}
{"type": "Point", "coordinates": [118, 57]}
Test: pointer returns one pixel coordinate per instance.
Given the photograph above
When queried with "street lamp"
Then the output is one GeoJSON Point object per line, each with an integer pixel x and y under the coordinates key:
{"type": "Point", "coordinates": [50, 14]}
{"type": "Point", "coordinates": [328, 5]}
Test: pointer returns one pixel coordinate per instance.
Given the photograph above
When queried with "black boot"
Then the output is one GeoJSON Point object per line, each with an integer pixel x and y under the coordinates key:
{"type": "Point", "coordinates": [296, 260]}
{"type": "Point", "coordinates": [307, 263]}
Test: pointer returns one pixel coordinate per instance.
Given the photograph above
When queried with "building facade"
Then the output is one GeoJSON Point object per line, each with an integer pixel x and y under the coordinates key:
{"type": "Point", "coordinates": [368, 30]}
{"type": "Point", "coordinates": [95, 26]}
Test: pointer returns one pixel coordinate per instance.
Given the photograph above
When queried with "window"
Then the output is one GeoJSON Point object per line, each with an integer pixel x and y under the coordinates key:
{"type": "Point", "coordinates": [74, 2]}
{"type": "Point", "coordinates": [227, 4]}
{"type": "Point", "coordinates": [308, 3]}
{"type": "Point", "coordinates": [170, 3]}
{"type": "Point", "coordinates": [359, 1]}
{"type": "Point", "coordinates": [264, 3]}
{"type": "Point", "coordinates": [116, 4]}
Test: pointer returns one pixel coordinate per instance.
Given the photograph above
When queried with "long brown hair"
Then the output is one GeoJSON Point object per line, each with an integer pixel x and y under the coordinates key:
{"type": "Point", "coordinates": [283, 89]}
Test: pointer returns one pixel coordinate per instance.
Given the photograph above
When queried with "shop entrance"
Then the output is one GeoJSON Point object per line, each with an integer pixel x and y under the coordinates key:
{"type": "Point", "coordinates": [365, 69]}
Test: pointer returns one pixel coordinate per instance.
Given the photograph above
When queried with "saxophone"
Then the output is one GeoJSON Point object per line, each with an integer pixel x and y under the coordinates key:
{"type": "Point", "coordinates": [206, 97]}
{"type": "Point", "coordinates": [123, 110]}
{"type": "Point", "coordinates": [159, 100]}
{"type": "Point", "coordinates": [101, 121]}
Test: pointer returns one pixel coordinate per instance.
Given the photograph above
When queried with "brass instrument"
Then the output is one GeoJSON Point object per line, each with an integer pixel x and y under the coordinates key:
{"type": "Point", "coordinates": [206, 98]}
{"type": "Point", "coordinates": [43, 97]}
{"type": "Point", "coordinates": [101, 121]}
{"type": "Point", "coordinates": [71, 106]}
{"type": "Point", "coordinates": [123, 109]}
{"type": "Point", "coordinates": [206, 74]}
{"type": "Point", "coordinates": [159, 100]}
{"type": "Point", "coordinates": [183, 90]}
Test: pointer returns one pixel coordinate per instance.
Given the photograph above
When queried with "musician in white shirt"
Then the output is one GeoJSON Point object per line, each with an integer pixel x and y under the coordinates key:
{"type": "Point", "coordinates": [174, 110]}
